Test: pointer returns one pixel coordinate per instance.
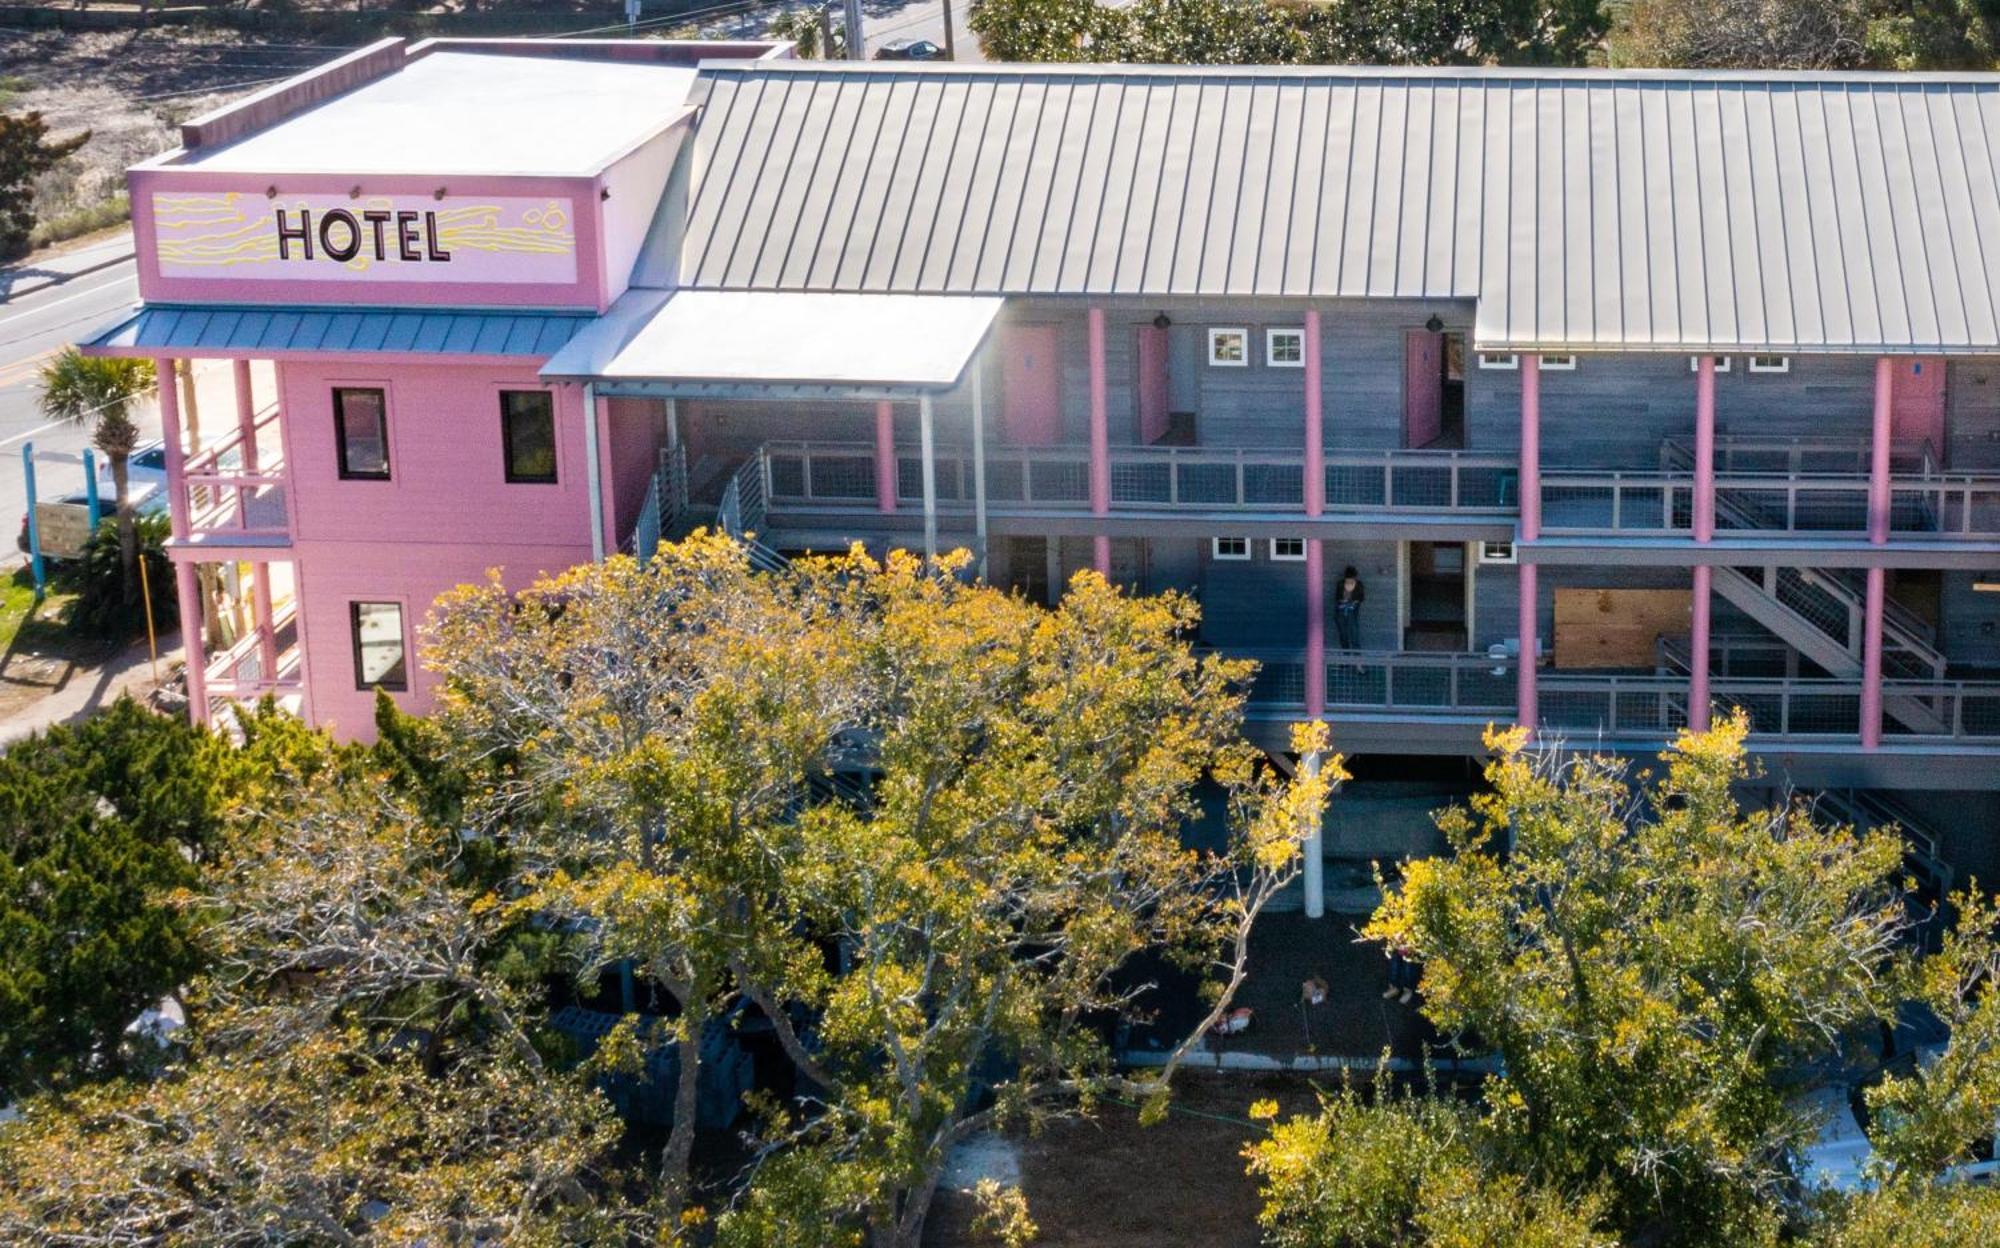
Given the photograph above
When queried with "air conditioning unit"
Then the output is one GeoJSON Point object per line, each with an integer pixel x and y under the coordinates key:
{"type": "Point", "coordinates": [1497, 552]}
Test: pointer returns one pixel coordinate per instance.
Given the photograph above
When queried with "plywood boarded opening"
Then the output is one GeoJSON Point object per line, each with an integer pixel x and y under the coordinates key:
{"type": "Point", "coordinates": [1599, 628]}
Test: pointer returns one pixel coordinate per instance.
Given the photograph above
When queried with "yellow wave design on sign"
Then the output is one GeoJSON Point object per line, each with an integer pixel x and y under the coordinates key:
{"type": "Point", "coordinates": [209, 231]}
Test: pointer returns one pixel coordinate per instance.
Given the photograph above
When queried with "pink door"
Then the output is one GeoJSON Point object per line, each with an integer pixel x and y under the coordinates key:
{"type": "Point", "coordinates": [1152, 383]}
{"type": "Point", "coordinates": [1031, 382]}
{"type": "Point", "coordinates": [1916, 403]}
{"type": "Point", "coordinates": [1423, 387]}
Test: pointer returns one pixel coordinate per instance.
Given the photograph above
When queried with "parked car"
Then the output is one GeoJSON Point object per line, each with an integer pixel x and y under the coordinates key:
{"type": "Point", "coordinates": [909, 50]}
{"type": "Point", "coordinates": [65, 525]}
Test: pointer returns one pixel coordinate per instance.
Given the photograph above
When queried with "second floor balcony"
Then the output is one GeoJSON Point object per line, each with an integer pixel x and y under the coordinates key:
{"type": "Point", "coordinates": [1769, 488]}
{"type": "Point", "coordinates": [834, 476]}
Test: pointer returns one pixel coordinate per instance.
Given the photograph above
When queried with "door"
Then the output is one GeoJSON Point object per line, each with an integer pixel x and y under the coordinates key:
{"type": "Point", "coordinates": [1436, 595]}
{"type": "Point", "coordinates": [1152, 384]}
{"type": "Point", "coordinates": [1423, 387]}
{"type": "Point", "coordinates": [1916, 404]}
{"type": "Point", "coordinates": [1031, 385]}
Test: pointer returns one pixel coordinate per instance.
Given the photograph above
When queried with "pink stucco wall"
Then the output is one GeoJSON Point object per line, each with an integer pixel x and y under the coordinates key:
{"type": "Point", "coordinates": [446, 515]}
{"type": "Point", "coordinates": [326, 283]}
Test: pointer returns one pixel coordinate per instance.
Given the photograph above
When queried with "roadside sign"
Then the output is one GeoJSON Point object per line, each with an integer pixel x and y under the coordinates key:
{"type": "Point", "coordinates": [64, 529]}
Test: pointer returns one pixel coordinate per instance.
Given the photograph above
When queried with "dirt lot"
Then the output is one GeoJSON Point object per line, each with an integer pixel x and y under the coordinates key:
{"type": "Point", "coordinates": [129, 89]}
{"type": "Point", "coordinates": [1111, 1183]}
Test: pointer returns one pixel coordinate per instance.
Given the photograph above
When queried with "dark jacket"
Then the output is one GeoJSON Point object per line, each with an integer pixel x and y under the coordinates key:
{"type": "Point", "coordinates": [1346, 597]}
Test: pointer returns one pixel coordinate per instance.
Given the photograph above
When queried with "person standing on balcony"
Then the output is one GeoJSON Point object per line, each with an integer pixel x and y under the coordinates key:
{"type": "Point", "coordinates": [1347, 600]}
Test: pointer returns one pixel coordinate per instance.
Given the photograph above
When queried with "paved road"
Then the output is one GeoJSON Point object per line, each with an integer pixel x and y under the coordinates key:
{"type": "Point", "coordinates": [881, 21]}
{"type": "Point", "coordinates": [34, 327]}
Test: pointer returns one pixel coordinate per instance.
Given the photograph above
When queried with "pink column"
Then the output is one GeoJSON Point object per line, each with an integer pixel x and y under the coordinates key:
{"type": "Point", "coordinates": [1878, 450]}
{"type": "Point", "coordinates": [1100, 439]}
{"type": "Point", "coordinates": [1878, 534]}
{"type": "Point", "coordinates": [170, 436]}
{"type": "Point", "coordinates": [612, 541]}
{"type": "Point", "coordinates": [194, 654]}
{"type": "Point", "coordinates": [885, 457]}
{"type": "Point", "coordinates": [1704, 530]}
{"type": "Point", "coordinates": [1531, 447]}
{"type": "Point", "coordinates": [1525, 709]}
{"type": "Point", "coordinates": [1704, 449]}
{"type": "Point", "coordinates": [1315, 500]}
{"type": "Point", "coordinates": [246, 415]}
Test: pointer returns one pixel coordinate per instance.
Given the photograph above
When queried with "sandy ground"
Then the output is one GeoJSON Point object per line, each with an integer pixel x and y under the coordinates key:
{"type": "Point", "coordinates": [130, 89]}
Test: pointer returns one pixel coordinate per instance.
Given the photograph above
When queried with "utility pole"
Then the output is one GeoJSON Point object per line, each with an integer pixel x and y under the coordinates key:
{"type": "Point", "coordinates": [856, 45]}
{"type": "Point", "coordinates": [826, 30]}
{"type": "Point", "coordinates": [950, 50]}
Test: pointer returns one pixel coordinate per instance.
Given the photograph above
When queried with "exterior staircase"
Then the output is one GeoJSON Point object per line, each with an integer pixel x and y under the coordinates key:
{"type": "Point", "coordinates": [1819, 612]}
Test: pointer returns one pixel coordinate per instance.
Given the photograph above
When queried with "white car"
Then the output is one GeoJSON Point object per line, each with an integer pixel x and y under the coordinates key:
{"type": "Point", "coordinates": [1837, 1158]}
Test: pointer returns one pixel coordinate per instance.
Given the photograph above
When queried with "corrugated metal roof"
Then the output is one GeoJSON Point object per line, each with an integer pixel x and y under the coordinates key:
{"type": "Point", "coordinates": [275, 330]}
{"type": "Point", "coordinates": [1581, 209]}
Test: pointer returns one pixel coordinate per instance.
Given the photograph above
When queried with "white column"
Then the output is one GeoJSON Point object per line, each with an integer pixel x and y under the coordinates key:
{"type": "Point", "coordinates": [593, 472]}
{"type": "Point", "coordinates": [930, 478]}
{"type": "Point", "coordinates": [979, 466]}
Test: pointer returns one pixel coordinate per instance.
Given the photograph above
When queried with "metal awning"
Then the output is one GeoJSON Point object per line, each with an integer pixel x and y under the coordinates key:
{"type": "Point", "coordinates": [280, 332]}
{"type": "Point", "coordinates": [765, 344]}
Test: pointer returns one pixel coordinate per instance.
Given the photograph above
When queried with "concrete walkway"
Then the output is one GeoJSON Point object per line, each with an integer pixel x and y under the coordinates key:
{"type": "Point", "coordinates": [85, 691]}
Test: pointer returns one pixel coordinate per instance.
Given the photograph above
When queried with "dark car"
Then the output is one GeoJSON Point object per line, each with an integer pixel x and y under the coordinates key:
{"type": "Point", "coordinates": [909, 50]}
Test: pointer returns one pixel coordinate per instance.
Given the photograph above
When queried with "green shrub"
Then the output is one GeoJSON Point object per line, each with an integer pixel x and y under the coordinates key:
{"type": "Point", "coordinates": [100, 609]}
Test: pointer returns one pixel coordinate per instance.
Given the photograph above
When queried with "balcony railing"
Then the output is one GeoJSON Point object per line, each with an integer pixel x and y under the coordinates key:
{"type": "Point", "coordinates": [812, 475]}
{"type": "Point", "coordinates": [1583, 706]}
{"type": "Point", "coordinates": [238, 673]}
{"type": "Point", "coordinates": [1471, 686]}
{"type": "Point", "coordinates": [226, 500]}
{"type": "Point", "coordinates": [1578, 502]}
{"type": "Point", "coordinates": [1806, 456]}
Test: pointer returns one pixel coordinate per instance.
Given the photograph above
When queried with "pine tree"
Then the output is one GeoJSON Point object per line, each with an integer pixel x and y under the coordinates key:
{"type": "Point", "coordinates": [26, 153]}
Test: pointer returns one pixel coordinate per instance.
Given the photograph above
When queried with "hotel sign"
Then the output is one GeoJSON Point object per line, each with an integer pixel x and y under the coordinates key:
{"type": "Point", "coordinates": [246, 236]}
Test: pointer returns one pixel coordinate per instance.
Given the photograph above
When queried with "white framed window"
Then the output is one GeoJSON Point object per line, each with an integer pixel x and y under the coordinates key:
{"type": "Point", "coordinates": [1229, 347]}
{"type": "Point", "coordinates": [1497, 552]}
{"type": "Point", "coordinates": [1499, 359]}
{"type": "Point", "coordinates": [1721, 363]}
{"type": "Point", "coordinates": [1285, 348]}
{"type": "Point", "coordinates": [1236, 548]}
{"type": "Point", "coordinates": [1770, 363]}
{"type": "Point", "coordinates": [1559, 363]}
{"type": "Point", "coordinates": [1288, 549]}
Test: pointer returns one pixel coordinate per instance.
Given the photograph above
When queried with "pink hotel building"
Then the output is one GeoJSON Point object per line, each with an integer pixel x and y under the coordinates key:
{"type": "Point", "coordinates": [1627, 396]}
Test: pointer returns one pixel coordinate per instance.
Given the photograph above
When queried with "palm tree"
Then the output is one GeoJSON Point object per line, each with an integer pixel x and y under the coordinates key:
{"type": "Point", "coordinates": [98, 394]}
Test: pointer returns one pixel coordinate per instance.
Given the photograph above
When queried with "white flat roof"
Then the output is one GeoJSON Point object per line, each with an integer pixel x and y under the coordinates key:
{"type": "Point", "coordinates": [470, 113]}
{"type": "Point", "coordinates": [770, 338]}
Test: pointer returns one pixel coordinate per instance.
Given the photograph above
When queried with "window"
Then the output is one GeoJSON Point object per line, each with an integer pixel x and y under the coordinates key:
{"type": "Point", "coordinates": [1498, 359]}
{"type": "Point", "coordinates": [1497, 552]}
{"type": "Point", "coordinates": [1721, 363]}
{"type": "Point", "coordinates": [361, 425]}
{"type": "Point", "coordinates": [378, 645]}
{"type": "Point", "coordinates": [1229, 348]}
{"type": "Point", "coordinates": [1230, 547]}
{"type": "Point", "coordinates": [1288, 549]}
{"type": "Point", "coordinates": [1770, 363]}
{"type": "Point", "coordinates": [1285, 348]}
{"type": "Point", "coordinates": [1559, 363]}
{"type": "Point", "coordinates": [528, 430]}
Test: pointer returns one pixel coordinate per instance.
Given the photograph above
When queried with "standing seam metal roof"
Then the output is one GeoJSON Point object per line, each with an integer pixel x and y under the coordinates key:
{"type": "Point", "coordinates": [1579, 208]}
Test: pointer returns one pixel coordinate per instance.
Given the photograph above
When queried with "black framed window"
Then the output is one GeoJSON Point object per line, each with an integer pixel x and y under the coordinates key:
{"type": "Point", "coordinates": [361, 427]}
{"type": "Point", "coordinates": [379, 658]}
{"type": "Point", "coordinates": [528, 432]}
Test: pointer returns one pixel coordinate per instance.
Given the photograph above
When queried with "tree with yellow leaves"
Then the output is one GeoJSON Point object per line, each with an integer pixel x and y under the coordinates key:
{"type": "Point", "coordinates": [939, 821]}
{"type": "Point", "coordinates": [1659, 972]}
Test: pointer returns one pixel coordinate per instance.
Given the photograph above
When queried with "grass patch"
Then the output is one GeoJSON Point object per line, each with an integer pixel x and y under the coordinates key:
{"type": "Point", "coordinates": [80, 221]}
{"type": "Point", "coordinates": [35, 627]}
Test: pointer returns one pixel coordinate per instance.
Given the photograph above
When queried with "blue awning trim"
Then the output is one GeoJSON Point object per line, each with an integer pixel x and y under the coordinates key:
{"type": "Point", "coordinates": [342, 331]}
